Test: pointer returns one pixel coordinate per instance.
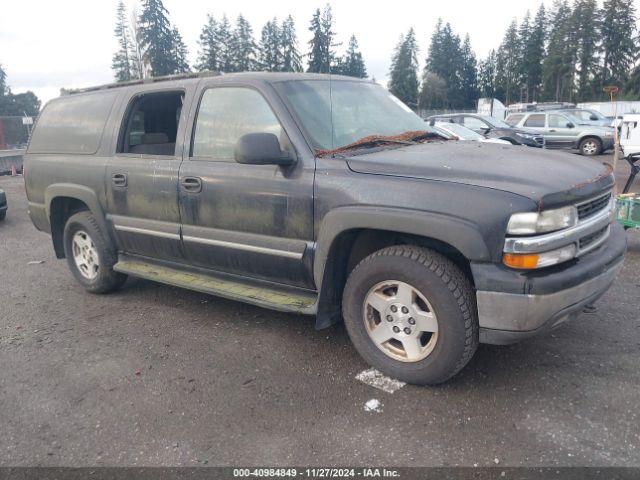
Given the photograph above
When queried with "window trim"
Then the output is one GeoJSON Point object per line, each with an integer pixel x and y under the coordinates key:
{"type": "Point", "coordinates": [200, 158]}
{"type": "Point", "coordinates": [127, 112]}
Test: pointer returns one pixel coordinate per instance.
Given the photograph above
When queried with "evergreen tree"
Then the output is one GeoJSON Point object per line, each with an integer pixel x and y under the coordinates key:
{"type": "Point", "coordinates": [487, 76]}
{"type": "Point", "coordinates": [507, 79]}
{"type": "Point", "coordinates": [352, 63]}
{"type": "Point", "coordinates": [447, 61]}
{"type": "Point", "coordinates": [179, 53]}
{"type": "Point", "coordinates": [558, 68]}
{"type": "Point", "coordinates": [270, 57]}
{"type": "Point", "coordinates": [243, 47]}
{"type": "Point", "coordinates": [156, 37]}
{"type": "Point", "coordinates": [433, 92]}
{"type": "Point", "coordinates": [225, 39]}
{"type": "Point", "coordinates": [403, 82]}
{"type": "Point", "coordinates": [469, 74]}
{"type": "Point", "coordinates": [291, 61]}
{"type": "Point", "coordinates": [618, 34]}
{"type": "Point", "coordinates": [524, 37]}
{"type": "Point", "coordinates": [139, 66]}
{"type": "Point", "coordinates": [121, 63]}
{"type": "Point", "coordinates": [321, 55]}
{"type": "Point", "coordinates": [533, 54]}
{"type": "Point", "coordinates": [209, 53]}
{"type": "Point", "coordinates": [586, 27]}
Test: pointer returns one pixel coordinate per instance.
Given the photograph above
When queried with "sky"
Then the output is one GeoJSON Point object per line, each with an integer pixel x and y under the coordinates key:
{"type": "Point", "coordinates": [46, 45]}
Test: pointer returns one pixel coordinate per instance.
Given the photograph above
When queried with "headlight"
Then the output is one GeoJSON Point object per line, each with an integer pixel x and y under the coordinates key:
{"type": "Point", "coordinates": [531, 223]}
{"type": "Point", "coordinates": [527, 261]}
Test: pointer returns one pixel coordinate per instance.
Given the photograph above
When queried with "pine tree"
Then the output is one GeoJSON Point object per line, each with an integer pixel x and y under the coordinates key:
{"type": "Point", "coordinates": [270, 50]}
{"type": "Point", "coordinates": [243, 47]}
{"type": "Point", "coordinates": [524, 37]}
{"type": "Point", "coordinates": [139, 66]}
{"type": "Point", "coordinates": [179, 53]}
{"type": "Point", "coordinates": [507, 80]}
{"type": "Point", "coordinates": [532, 55]}
{"type": "Point", "coordinates": [586, 27]}
{"type": "Point", "coordinates": [352, 63]}
{"type": "Point", "coordinates": [403, 82]}
{"type": "Point", "coordinates": [446, 60]}
{"type": "Point", "coordinates": [487, 76]}
{"type": "Point", "coordinates": [209, 53]}
{"type": "Point", "coordinates": [618, 34]}
{"type": "Point", "coordinates": [291, 61]}
{"type": "Point", "coordinates": [156, 37]}
{"type": "Point", "coordinates": [558, 68]}
{"type": "Point", "coordinates": [433, 92]}
{"type": "Point", "coordinates": [321, 54]}
{"type": "Point", "coordinates": [121, 63]}
{"type": "Point", "coordinates": [225, 39]}
{"type": "Point", "coordinates": [469, 74]}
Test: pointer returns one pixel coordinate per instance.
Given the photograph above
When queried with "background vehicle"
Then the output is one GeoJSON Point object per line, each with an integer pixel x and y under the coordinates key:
{"type": "Point", "coordinates": [3, 205]}
{"type": "Point", "coordinates": [589, 117]}
{"type": "Point", "coordinates": [561, 130]}
{"type": "Point", "coordinates": [492, 127]}
{"type": "Point", "coordinates": [323, 195]}
{"type": "Point", "coordinates": [463, 133]}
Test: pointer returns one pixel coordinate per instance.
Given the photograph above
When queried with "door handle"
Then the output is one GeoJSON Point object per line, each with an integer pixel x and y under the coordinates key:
{"type": "Point", "coordinates": [191, 184]}
{"type": "Point", "coordinates": [119, 179]}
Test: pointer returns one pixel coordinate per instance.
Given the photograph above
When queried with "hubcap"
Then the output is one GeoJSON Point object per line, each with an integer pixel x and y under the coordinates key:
{"type": "Point", "coordinates": [590, 148]}
{"type": "Point", "coordinates": [400, 321]}
{"type": "Point", "coordinates": [85, 255]}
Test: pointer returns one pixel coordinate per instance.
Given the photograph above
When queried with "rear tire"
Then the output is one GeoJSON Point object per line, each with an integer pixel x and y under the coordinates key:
{"type": "Point", "coordinates": [90, 254]}
{"type": "Point", "coordinates": [432, 331]}
{"type": "Point", "coordinates": [3, 214]}
{"type": "Point", "coordinates": [590, 146]}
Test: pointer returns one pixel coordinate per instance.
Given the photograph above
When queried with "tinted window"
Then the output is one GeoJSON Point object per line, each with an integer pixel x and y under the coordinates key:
{"type": "Point", "coordinates": [226, 114]}
{"type": "Point", "coordinates": [514, 119]}
{"type": "Point", "coordinates": [474, 123]}
{"type": "Point", "coordinates": [557, 121]}
{"type": "Point", "coordinates": [72, 124]}
{"type": "Point", "coordinates": [536, 120]}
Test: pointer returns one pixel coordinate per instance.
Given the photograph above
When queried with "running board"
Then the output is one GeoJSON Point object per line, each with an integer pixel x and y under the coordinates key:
{"type": "Point", "coordinates": [269, 296]}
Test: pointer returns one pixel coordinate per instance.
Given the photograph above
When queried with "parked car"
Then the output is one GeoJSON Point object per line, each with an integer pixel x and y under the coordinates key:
{"type": "Point", "coordinates": [455, 130]}
{"type": "Point", "coordinates": [561, 130]}
{"type": "Point", "coordinates": [492, 127]}
{"type": "Point", "coordinates": [3, 205]}
{"type": "Point", "coordinates": [589, 117]}
{"type": "Point", "coordinates": [266, 189]}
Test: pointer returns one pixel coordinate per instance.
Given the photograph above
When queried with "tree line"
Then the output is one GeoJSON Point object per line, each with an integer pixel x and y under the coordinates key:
{"type": "Point", "coordinates": [16, 104]}
{"type": "Point", "coordinates": [149, 45]}
{"type": "Point", "coordinates": [567, 54]}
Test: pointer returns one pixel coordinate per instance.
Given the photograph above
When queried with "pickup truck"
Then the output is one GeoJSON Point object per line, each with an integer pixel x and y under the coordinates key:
{"type": "Point", "coordinates": [327, 196]}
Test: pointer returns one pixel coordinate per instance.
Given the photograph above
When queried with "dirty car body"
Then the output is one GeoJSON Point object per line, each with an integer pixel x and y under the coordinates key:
{"type": "Point", "coordinates": [287, 209]}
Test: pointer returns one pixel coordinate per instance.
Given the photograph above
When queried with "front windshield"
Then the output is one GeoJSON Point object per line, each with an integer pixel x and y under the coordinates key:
{"type": "Point", "coordinates": [460, 131]}
{"type": "Point", "coordinates": [359, 109]}
{"type": "Point", "coordinates": [495, 122]}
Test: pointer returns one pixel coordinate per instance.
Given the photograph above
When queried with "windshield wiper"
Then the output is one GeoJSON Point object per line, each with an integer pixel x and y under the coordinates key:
{"type": "Point", "coordinates": [405, 138]}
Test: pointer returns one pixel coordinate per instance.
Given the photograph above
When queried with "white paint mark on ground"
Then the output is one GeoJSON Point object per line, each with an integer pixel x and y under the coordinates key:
{"type": "Point", "coordinates": [373, 405]}
{"type": "Point", "coordinates": [374, 378]}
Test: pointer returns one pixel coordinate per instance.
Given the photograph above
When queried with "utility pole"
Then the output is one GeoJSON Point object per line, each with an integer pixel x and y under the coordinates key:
{"type": "Point", "coordinates": [612, 90]}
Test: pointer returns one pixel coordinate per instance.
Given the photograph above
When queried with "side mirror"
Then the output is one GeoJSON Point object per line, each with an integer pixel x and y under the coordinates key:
{"type": "Point", "coordinates": [261, 149]}
{"type": "Point", "coordinates": [485, 130]}
{"type": "Point", "coordinates": [593, 117]}
{"type": "Point", "coordinates": [570, 125]}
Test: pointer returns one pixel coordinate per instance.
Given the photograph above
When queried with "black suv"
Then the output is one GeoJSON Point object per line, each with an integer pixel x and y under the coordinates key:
{"type": "Point", "coordinates": [493, 128]}
{"type": "Point", "coordinates": [325, 196]}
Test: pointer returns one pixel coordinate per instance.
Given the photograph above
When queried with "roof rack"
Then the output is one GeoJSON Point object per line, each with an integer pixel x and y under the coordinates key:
{"type": "Point", "coordinates": [165, 78]}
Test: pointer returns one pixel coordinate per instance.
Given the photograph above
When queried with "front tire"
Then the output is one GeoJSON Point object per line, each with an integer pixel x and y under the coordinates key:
{"type": "Point", "coordinates": [590, 146]}
{"type": "Point", "coordinates": [90, 254]}
{"type": "Point", "coordinates": [410, 312]}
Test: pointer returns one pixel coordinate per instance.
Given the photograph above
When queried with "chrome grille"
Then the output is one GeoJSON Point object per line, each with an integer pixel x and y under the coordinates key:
{"type": "Point", "coordinates": [587, 209]}
{"type": "Point", "coordinates": [592, 239]}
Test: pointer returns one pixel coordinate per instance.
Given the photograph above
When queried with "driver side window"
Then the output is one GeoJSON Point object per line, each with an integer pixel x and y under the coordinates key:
{"type": "Point", "coordinates": [558, 121]}
{"type": "Point", "coordinates": [225, 115]}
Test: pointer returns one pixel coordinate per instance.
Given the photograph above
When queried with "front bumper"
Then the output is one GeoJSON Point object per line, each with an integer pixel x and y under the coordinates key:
{"type": "Point", "coordinates": [507, 316]}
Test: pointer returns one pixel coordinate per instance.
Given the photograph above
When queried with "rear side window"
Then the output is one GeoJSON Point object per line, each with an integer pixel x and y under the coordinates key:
{"type": "Point", "coordinates": [513, 120]}
{"type": "Point", "coordinates": [226, 114]}
{"type": "Point", "coordinates": [150, 126]}
{"type": "Point", "coordinates": [535, 120]}
{"type": "Point", "coordinates": [72, 124]}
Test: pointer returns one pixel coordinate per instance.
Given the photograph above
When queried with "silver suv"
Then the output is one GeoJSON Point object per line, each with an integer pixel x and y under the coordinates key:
{"type": "Point", "coordinates": [563, 130]}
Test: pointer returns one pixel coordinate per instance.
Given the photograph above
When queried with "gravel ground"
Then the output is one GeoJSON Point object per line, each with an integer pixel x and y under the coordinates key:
{"type": "Point", "coordinates": [155, 375]}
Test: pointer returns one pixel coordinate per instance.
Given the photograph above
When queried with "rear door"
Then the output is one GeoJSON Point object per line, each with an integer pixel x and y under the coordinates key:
{"type": "Point", "coordinates": [251, 220]}
{"type": "Point", "coordinates": [142, 177]}
{"type": "Point", "coordinates": [558, 134]}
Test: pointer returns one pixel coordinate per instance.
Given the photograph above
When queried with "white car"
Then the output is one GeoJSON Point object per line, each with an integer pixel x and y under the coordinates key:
{"type": "Point", "coordinates": [464, 133]}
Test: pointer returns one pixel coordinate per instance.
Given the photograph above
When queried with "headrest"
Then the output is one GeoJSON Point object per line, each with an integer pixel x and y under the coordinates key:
{"type": "Point", "coordinates": [154, 138]}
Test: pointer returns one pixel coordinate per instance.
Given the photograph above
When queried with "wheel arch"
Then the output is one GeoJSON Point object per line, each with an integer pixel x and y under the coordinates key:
{"type": "Point", "coordinates": [349, 234]}
{"type": "Point", "coordinates": [64, 200]}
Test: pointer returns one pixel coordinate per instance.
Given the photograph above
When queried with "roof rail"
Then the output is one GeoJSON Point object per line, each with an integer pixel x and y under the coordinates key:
{"type": "Point", "coordinates": [142, 81]}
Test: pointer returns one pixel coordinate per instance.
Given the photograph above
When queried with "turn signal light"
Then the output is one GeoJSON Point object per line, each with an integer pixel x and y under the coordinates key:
{"type": "Point", "coordinates": [523, 261]}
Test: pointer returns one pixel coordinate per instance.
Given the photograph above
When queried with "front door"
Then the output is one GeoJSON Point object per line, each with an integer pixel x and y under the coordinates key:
{"type": "Point", "coordinates": [142, 177]}
{"type": "Point", "coordinates": [250, 220]}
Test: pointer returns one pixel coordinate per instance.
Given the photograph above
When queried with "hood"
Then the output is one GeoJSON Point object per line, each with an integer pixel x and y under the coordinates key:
{"type": "Point", "coordinates": [541, 175]}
